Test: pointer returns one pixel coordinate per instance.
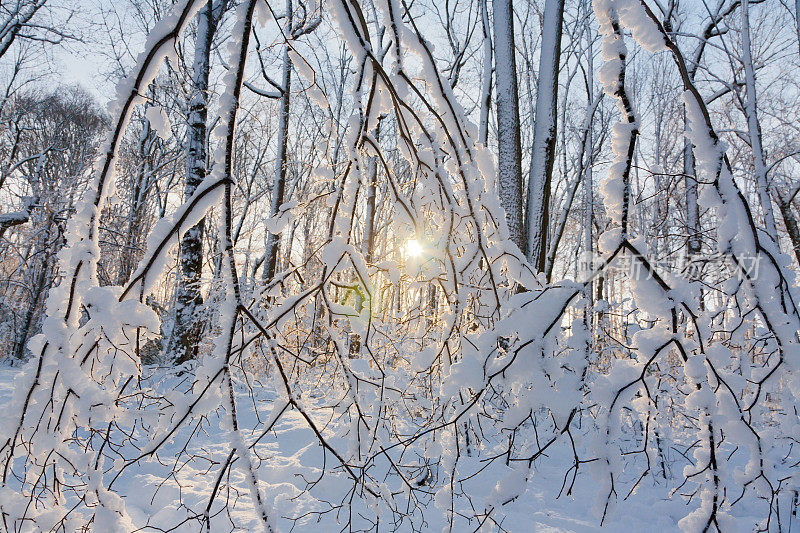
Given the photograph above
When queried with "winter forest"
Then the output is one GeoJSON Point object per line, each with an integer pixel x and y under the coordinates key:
{"type": "Point", "coordinates": [399, 265]}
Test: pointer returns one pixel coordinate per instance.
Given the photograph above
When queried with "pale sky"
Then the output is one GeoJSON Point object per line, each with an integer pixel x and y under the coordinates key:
{"type": "Point", "coordinates": [85, 68]}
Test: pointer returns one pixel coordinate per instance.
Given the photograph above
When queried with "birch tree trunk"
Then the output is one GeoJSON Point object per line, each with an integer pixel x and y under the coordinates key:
{"type": "Point", "coordinates": [694, 243]}
{"type": "Point", "coordinates": [186, 334]}
{"type": "Point", "coordinates": [754, 128]}
{"type": "Point", "coordinates": [369, 224]}
{"type": "Point", "coordinates": [486, 78]}
{"type": "Point", "coordinates": [509, 148]}
{"type": "Point", "coordinates": [138, 196]}
{"type": "Point", "coordinates": [692, 208]}
{"type": "Point", "coordinates": [279, 184]}
{"type": "Point", "coordinates": [544, 135]}
{"type": "Point", "coordinates": [790, 221]}
{"type": "Point", "coordinates": [588, 177]}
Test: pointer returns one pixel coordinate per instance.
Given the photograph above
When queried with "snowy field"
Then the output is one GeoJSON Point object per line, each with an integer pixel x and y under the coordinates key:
{"type": "Point", "coordinates": [171, 491]}
{"type": "Point", "coordinates": [393, 265]}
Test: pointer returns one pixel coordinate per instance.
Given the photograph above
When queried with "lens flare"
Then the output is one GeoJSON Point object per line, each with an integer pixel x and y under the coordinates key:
{"type": "Point", "coordinates": [414, 248]}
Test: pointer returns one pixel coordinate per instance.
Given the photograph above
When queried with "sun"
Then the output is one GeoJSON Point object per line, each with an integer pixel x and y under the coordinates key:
{"type": "Point", "coordinates": [414, 248]}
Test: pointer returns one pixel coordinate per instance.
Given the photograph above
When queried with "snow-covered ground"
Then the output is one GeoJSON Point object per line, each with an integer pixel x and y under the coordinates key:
{"type": "Point", "coordinates": [171, 489]}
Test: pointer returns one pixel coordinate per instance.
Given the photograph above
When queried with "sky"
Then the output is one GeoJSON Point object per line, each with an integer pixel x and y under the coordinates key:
{"type": "Point", "coordinates": [81, 65]}
{"type": "Point", "coordinates": [84, 61]}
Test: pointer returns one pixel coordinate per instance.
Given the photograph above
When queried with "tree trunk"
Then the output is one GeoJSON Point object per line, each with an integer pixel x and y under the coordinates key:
{"type": "Point", "coordinates": [588, 179]}
{"type": "Point", "coordinates": [754, 128]}
{"type": "Point", "coordinates": [790, 221]}
{"type": "Point", "coordinates": [544, 136]}
{"type": "Point", "coordinates": [694, 244]}
{"type": "Point", "coordinates": [509, 147]}
{"type": "Point", "coordinates": [692, 208]}
{"type": "Point", "coordinates": [186, 336]}
{"type": "Point", "coordinates": [486, 79]}
{"type": "Point", "coordinates": [279, 185]}
{"type": "Point", "coordinates": [369, 224]}
{"type": "Point", "coordinates": [138, 191]}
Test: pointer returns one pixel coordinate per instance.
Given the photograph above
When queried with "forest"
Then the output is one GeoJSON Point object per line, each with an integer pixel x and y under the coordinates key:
{"type": "Point", "coordinates": [399, 265]}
